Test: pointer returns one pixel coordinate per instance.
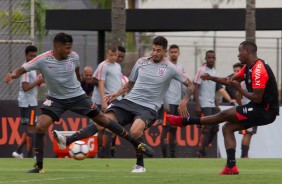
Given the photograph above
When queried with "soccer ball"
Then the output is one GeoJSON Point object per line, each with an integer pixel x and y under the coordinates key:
{"type": "Point", "coordinates": [78, 150]}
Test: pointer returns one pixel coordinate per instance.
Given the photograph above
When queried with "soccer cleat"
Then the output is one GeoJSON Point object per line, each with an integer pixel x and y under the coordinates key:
{"type": "Point", "coordinates": [16, 155]}
{"type": "Point", "coordinates": [230, 171]}
{"type": "Point", "coordinates": [36, 169]}
{"type": "Point", "coordinates": [138, 169]}
{"type": "Point", "coordinates": [175, 120]}
{"type": "Point", "coordinates": [60, 139]}
{"type": "Point", "coordinates": [147, 150]}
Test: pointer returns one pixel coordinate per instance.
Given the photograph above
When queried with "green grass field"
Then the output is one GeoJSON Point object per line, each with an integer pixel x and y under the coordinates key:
{"type": "Point", "coordinates": [67, 171]}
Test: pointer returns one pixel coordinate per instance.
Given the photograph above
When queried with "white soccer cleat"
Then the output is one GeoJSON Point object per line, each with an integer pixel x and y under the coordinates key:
{"type": "Point", "coordinates": [16, 155]}
{"type": "Point", "coordinates": [60, 139]}
{"type": "Point", "coordinates": [138, 169]}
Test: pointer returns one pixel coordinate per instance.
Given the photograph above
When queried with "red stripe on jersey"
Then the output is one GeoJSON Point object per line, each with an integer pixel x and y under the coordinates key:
{"type": "Point", "coordinates": [101, 70]}
{"type": "Point", "coordinates": [259, 75]}
{"type": "Point", "coordinates": [40, 56]}
{"type": "Point", "coordinates": [198, 73]}
{"type": "Point", "coordinates": [26, 79]}
{"type": "Point", "coordinates": [240, 116]}
{"type": "Point", "coordinates": [178, 69]}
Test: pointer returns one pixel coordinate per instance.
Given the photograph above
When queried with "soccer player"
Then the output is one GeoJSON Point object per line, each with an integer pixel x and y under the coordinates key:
{"type": "Point", "coordinates": [148, 83]}
{"type": "Point", "coordinates": [247, 133]}
{"type": "Point", "coordinates": [171, 102]}
{"type": "Point", "coordinates": [27, 100]}
{"type": "Point", "coordinates": [60, 69]}
{"type": "Point", "coordinates": [109, 76]}
{"type": "Point", "coordinates": [205, 102]}
{"type": "Point", "coordinates": [86, 82]}
{"type": "Point", "coordinates": [261, 110]}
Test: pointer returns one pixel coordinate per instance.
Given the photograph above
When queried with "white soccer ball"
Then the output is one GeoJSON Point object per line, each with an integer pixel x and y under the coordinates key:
{"type": "Point", "coordinates": [78, 150]}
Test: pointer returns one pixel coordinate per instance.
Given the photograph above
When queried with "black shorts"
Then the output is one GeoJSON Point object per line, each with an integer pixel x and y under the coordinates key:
{"type": "Point", "coordinates": [249, 131]}
{"type": "Point", "coordinates": [81, 105]}
{"type": "Point", "coordinates": [252, 114]}
{"type": "Point", "coordinates": [207, 111]}
{"type": "Point", "coordinates": [127, 112]}
{"type": "Point", "coordinates": [29, 115]}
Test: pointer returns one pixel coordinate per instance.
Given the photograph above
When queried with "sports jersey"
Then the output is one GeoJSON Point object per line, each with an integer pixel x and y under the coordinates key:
{"type": "Point", "coordinates": [174, 92]}
{"type": "Point", "coordinates": [111, 74]}
{"type": "Point", "coordinates": [261, 76]}
{"type": "Point", "coordinates": [27, 98]}
{"type": "Point", "coordinates": [207, 88]}
{"type": "Point", "coordinates": [152, 81]}
{"type": "Point", "coordinates": [59, 76]}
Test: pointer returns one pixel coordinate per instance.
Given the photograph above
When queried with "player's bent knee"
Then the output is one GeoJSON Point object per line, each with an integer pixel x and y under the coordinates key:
{"type": "Point", "coordinates": [101, 120]}
{"type": "Point", "coordinates": [136, 134]}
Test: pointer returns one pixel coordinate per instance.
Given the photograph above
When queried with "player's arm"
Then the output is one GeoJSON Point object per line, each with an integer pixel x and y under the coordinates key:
{"type": "Point", "coordinates": [255, 96]}
{"type": "Point", "coordinates": [226, 96]}
{"type": "Point", "coordinates": [197, 101]}
{"type": "Point", "coordinates": [78, 76]}
{"type": "Point", "coordinates": [238, 97]}
{"type": "Point", "coordinates": [14, 74]}
{"type": "Point", "coordinates": [124, 89]}
{"type": "Point", "coordinates": [28, 86]}
{"type": "Point", "coordinates": [182, 108]}
{"type": "Point", "coordinates": [94, 81]}
{"type": "Point", "coordinates": [101, 89]}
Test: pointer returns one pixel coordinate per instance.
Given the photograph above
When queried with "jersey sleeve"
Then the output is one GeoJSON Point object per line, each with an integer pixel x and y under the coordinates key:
{"type": "Point", "coordinates": [259, 76]}
{"type": "Point", "coordinates": [198, 79]}
{"type": "Point", "coordinates": [134, 72]}
{"type": "Point", "coordinates": [34, 64]}
{"type": "Point", "coordinates": [179, 75]}
{"type": "Point", "coordinates": [241, 72]}
{"type": "Point", "coordinates": [102, 73]}
{"type": "Point", "coordinates": [25, 77]}
{"type": "Point", "coordinates": [96, 72]}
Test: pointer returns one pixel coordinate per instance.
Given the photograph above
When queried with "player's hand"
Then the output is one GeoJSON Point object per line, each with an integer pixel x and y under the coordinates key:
{"type": "Point", "coordinates": [205, 76]}
{"type": "Point", "coordinates": [232, 102]}
{"type": "Point", "coordinates": [8, 78]}
{"type": "Point", "coordinates": [104, 105]}
{"type": "Point", "coordinates": [110, 97]}
{"type": "Point", "coordinates": [182, 109]}
{"type": "Point", "coordinates": [235, 84]}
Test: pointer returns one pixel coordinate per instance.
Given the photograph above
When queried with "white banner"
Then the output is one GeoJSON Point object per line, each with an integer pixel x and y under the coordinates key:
{"type": "Point", "coordinates": [267, 143]}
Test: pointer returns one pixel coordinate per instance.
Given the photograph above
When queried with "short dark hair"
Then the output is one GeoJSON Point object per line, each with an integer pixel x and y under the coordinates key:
{"type": "Point", "coordinates": [210, 51]}
{"type": "Point", "coordinates": [173, 46]}
{"type": "Point", "coordinates": [238, 65]}
{"type": "Point", "coordinates": [249, 44]}
{"type": "Point", "coordinates": [121, 49]}
{"type": "Point", "coordinates": [30, 48]}
{"type": "Point", "coordinates": [160, 40]}
{"type": "Point", "coordinates": [63, 38]}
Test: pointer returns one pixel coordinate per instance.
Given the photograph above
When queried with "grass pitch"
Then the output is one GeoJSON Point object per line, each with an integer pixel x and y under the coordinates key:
{"type": "Point", "coordinates": [103, 171]}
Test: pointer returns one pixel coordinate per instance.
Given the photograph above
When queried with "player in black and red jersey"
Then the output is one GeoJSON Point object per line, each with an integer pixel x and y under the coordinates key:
{"type": "Point", "coordinates": [261, 110]}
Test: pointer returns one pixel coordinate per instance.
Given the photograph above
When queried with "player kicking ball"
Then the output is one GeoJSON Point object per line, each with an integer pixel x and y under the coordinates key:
{"type": "Point", "coordinates": [261, 110]}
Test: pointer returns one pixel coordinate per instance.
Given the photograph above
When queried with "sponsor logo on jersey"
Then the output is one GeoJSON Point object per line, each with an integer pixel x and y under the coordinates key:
{"type": "Point", "coordinates": [258, 74]}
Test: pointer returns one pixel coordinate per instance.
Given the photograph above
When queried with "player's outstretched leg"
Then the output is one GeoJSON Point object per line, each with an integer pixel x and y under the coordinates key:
{"type": "Point", "coordinates": [61, 140]}
{"type": "Point", "coordinates": [91, 130]}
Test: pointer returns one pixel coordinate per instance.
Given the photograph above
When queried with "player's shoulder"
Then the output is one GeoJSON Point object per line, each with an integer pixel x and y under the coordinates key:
{"type": "Point", "coordinates": [143, 60]}
{"type": "Point", "coordinates": [74, 54]}
{"type": "Point", "coordinates": [41, 57]}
